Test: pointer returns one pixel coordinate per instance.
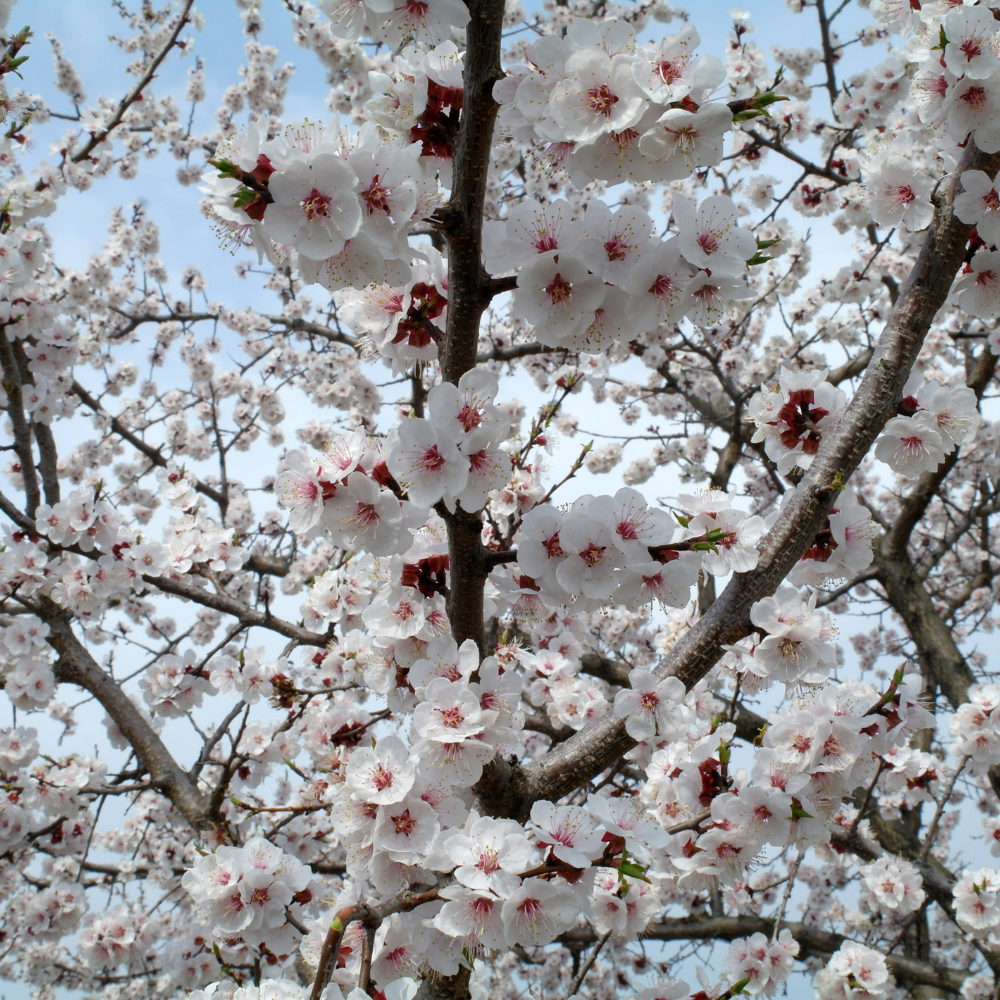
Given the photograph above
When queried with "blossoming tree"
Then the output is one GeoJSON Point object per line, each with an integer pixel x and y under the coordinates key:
{"type": "Point", "coordinates": [389, 709]}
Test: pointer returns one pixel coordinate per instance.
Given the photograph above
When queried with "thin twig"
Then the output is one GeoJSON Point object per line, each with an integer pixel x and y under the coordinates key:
{"type": "Point", "coordinates": [942, 802]}
{"type": "Point", "coordinates": [793, 869]}
{"type": "Point", "coordinates": [581, 975]}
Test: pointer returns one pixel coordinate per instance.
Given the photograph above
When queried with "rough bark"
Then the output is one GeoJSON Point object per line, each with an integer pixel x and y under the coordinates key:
{"type": "Point", "coordinates": [923, 293]}
{"type": "Point", "coordinates": [76, 666]}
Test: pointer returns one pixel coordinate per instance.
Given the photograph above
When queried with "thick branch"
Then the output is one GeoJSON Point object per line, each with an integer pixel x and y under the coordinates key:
{"type": "Point", "coordinates": [812, 943]}
{"type": "Point", "coordinates": [598, 745]}
{"type": "Point", "coordinates": [76, 666]}
{"type": "Point", "coordinates": [250, 617]}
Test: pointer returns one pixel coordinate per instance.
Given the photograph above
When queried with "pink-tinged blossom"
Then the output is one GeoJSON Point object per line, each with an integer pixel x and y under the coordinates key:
{"type": "Point", "coordinates": [669, 71]}
{"type": "Point", "coordinates": [568, 831]}
{"type": "Point", "coordinates": [458, 411]}
{"type": "Point", "coordinates": [426, 22]}
{"type": "Point", "coordinates": [898, 194]}
{"type": "Point", "coordinates": [396, 613]}
{"type": "Point", "coordinates": [764, 963]}
{"type": "Point", "coordinates": [592, 557]}
{"type": "Point", "coordinates": [895, 885]}
{"type": "Point", "coordinates": [457, 763]}
{"type": "Point", "coordinates": [710, 299]}
{"type": "Point", "coordinates": [979, 204]}
{"type": "Point", "coordinates": [490, 854]}
{"type": "Point", "coordinates": [635, 526]}
{"type": "Point", "coordinates": [389, 181]}
{"type": "Point", "coordinates": [736, 545]}
{"type": "Point", "coordinates": [598, 95]}
{"type": "Point", "coordinates": [710, 238]}
{"type": "Point", "coordinates": [558, 295]}
{"type": "Point", "coordinates": [428, 464]}
{"type": "Point", "coordinates": [911, 445]}
{"type": "Point", "coordinates": [532, 227]}
{"type": "Point", "coordinates": [450, 713]}
{"type": "Point", "coordinates": [854, 972]}
{"type": "Point", "coordinates": [955, 410]}
{"type": "Point", "coordinates": [615, 242]}
{"type": "Point", "coordinates": [383, 774]}
{"type": "Point", "coordinates": [974, 106]}
{"type": "Point", "coordinates": [299, 491]}
{"type": "Point", "coordinates": [797, 647]}
{"type": "Point", "coordinates": [406, 829]}
{"type": "Point", "coordinates": [360, 515]}
{"type": "Point", "coordinates": [681, 141]}
{"type": "Point", "coordinates": [656, 287]}
{"type": "Point", "coordinates": [975, 726]}
{"type": "Point", "coordinates": [977, 289]}
{"type": "Point", "coordinates": [473, 915]}
{"type": "Point", "coordinates": [538, 912]}
{"type": "Point", "coordinates": [667, 584]}
{"type": "Point", "coordinates": [649, 706]}
{"type": "Point", "coordinates": [316, 207]}
{"type": "Point", "coordinates": [977, 901]}
{"type": "Point", "coordinates": [972, 42]}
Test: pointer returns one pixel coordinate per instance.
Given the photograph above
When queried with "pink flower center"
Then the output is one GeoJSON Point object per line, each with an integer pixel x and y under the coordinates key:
{"type": "Point", "coordinates": [559, 290]}
{"type": "Point", "coordinates": [431, 460]}
{"type": "Point", "coordinates": [488, 862]}
{"type": "Point", "coordinates": [601, 101]}
{"type": "Point", "coordinates": [366, 515]}
{"type": "Point", "coordinates": [662, 287]}
{"type": "Point", "coordinates": [991, 203]}
{"type": "Point", "coordinates": [617, 248]}
{"type": "Point", "coordinates": [708, 241]}
{"type": "Point", "coordinates": [479, 461]}
{"type": "Point", "coordinates": [627, 530]}
{"type": "Point", "coordinates": [902, 196]}
{"type": "Point", "coordinates": [970, 48]}
{"type": "Point", "coordinates": [470, 416]}
{"type": "Point", "coordinates": [624, 140]}
{"type": "Point", "coordinates": [975, 96]}
{"type": "Point", "coordinates": [552, 547]}
{"type": "Point", "coordinates": [545, 241]}
{"type": "Point", "coordinates": [316, 205]}
{"type": "Point", "coordinates": [382, 777]}
{"type": "Point", "coordinates": [592, 554]}
{"type": "Point", "coordinates": [669, 70]}
{"type": "Point", "coordinates": [451, 718]}
{"type": "Point", "coordinates": [403, 612]}
{"type": "Point", "coordinates": [404, 823]}
{"type": "Point", "coordinates": [376, 197]}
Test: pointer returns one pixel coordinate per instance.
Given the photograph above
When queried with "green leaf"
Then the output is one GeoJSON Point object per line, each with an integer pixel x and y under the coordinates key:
{"type": "Point", "coordinates": [768, 98]}
{"type": "Point", "coordinates": [758, 258]}
{"type": "Point", "coordinates": [226, 168]}
{"type": "Point", "coordinates": [764, 244]}
{"type": "Point", "coordinates": [244, 197]}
